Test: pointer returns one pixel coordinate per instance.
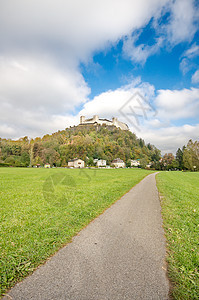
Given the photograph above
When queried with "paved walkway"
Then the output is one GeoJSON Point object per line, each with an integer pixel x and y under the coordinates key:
{"type": "Point", "coordinates": [120, 255]}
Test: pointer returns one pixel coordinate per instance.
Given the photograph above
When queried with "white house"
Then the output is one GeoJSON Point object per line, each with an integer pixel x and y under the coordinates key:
{"type": "Point", "coordinates": [135, 163]}
{"type": "Point", "coordinates": [47, 166]}
{"type": "Point", "coordinates": [148, 165]}
{"type": "Point", "coordinates": [76, 163]}
{"type": "Point", "coordinates": [118, 163]}
{"type": "Point", "coordinates": [101, 163]}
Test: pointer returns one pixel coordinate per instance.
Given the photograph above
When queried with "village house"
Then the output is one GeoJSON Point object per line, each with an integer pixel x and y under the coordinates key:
{"type": "Point", "coordinates": [148, 165]}
{"type": "Point", "coordinates": [76, 163]}
{"type": "Point", "coordinates": [47, 166]}
{"type": "Point", "coordinates": [135, 163]}
{"type": "Point", "coordinates": [118, 163]}
{"type": "Point", "coordinates": [101, 163]}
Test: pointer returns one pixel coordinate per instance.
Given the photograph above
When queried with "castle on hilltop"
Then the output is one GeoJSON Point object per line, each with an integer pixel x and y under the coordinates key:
{"type": "Point", "coordinates": [97, 121]}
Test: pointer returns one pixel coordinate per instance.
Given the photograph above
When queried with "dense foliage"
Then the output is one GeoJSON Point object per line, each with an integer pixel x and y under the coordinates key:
{"type": "Point", "coordinates": [186, 158]}
{"type": "Point", "coordinates": [85, 142]}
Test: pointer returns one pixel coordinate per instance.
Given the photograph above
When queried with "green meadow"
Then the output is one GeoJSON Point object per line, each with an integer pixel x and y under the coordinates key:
{"type": "Point", "coordinates": [42, 209]}
{"type": "Point", "coordinates": [180, 210]}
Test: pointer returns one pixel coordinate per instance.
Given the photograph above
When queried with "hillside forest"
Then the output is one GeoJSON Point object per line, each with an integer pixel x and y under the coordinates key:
{"type": "Point", "coordinates": [89, 143]}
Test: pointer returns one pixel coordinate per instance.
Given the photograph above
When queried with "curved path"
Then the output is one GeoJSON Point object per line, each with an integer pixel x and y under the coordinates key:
{"type": "Point", "coordinates": [120, 255]}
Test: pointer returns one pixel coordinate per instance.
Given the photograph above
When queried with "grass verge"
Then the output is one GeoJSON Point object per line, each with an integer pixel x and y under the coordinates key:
{"type": "Point", "coordinates": [42, 209]}
{"type": "Point", "coordinates": [180, 211]}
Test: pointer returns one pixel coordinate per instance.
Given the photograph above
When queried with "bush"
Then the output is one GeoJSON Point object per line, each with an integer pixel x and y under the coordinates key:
{"type": "Point", "coordinates": [3, 164]}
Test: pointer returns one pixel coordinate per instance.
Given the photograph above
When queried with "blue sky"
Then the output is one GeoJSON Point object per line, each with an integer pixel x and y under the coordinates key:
{"type": "Point", "coordinates": [62, 59]}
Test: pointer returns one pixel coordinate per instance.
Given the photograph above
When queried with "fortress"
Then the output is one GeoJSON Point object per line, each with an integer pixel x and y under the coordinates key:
{"type": "Point", "coordinates": [97, 121]}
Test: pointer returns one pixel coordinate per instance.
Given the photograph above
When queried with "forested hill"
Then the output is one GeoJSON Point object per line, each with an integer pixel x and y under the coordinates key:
{"type": "Point", "coordinates": [83, 142]}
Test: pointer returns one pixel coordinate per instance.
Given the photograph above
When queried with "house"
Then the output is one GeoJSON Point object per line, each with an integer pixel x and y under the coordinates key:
{"type": "Point", "coordinates": [101, 163]}
{"type": "Point", "coordinates": [47, 166]}
{"type": "Point", "coordinates": [95, 160]}
{"type": "Point", "coordinates": [118, 163]}
{"type": "Point", "coordinates": [149, 165]}
{"type": "Point", "coordinates": [76, 163]}
{"type": "Point", "coordinates": [135, 163]}
{"type": "Point", "coordinates": [95, 120]}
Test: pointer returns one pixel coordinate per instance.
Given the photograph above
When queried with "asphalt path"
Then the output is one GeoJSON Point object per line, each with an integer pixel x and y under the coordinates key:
{"type": "Point", "coordinates": [119, 255]}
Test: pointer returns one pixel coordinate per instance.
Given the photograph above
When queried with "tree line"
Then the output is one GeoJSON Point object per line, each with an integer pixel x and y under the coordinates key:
{"type": "Point", "coordinates": [186, 158]}
{"type": "Point", "coordinates": [89, 143]}
{"type": "Point", "coordinates": [85, 142]}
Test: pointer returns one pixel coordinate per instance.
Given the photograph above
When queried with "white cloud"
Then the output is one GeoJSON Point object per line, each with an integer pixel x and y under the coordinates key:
{"type": "Point", "coordinates": [169, 139]}
{"type": "Point", "coordinates": [42, 44]}
{"type": "Point", "coordinates": [141, 52]}
{"type": "Point", "coordinates": [177, 104]}
{"type": "Point", "coordinates": [35, 95]}
{"type": "Point", "coordinates": [109, 104]}
{"type": "Point", "coordinates": [76, 27]}
{"type": "Point", "coordinates": [33, 123]}
{"type": "Point", "coordinates": [38, 84]}
{"type": "Point", "coordinates": [192, 52]}
{"type": "Point", "coordinates": [195, 77]}
{"type": "Point", "coordinates": [182, 25]}
{"type": "Point", "coordinates": [172, 106]}
{"type": "Point", "coordinates": [187, 57]}
{"type": "Point", "coordinates": [185, 65]}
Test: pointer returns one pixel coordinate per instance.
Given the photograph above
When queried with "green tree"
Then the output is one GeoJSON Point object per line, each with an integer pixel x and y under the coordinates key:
{"type": "Point", "coordinates": [10, 160]}
{"type": "Point", "coordinates": [90, 162]}
{"type": "Point", "coordinates": [167, 161]}
{"type": "Point", "coordinates": [143, 163]}
{"type": "Point", "coordinates": [191, 156]}
{"type": "Point", "coordinates": [128, 163]}
{"type": "Point", "coordinates": [179, 158]}
{"type": "Point", "coordinates": [25, 159]}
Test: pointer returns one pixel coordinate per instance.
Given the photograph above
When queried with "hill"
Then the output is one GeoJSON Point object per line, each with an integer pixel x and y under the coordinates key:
{"type": "Point", "coordinates": [85, 142]}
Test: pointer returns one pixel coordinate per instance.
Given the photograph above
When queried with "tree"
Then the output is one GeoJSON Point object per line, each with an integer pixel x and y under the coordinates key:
{"type": "Point", "coordinates": [156, 155]}
{"type": "Point", "coordinates": [179, 159]}
{"type": "Point", "coordinates": [191, 156]}
{"type": "Point", "coordinates": [143, 163]}
{"type": "Point", "coordinates": [37, 149]}
{"type": "Point", "coordinates": [38, 160]}
{"type": "Point", "coordinates": [64, 163]}
{"type": "Point", "coordinates": [167, 161]}
{"type": "Point", "coordinates": [128, 163]}
{"type": "Point", "coordinates": [10, 160]}
{"type": "Point", "coordinates": [90, 162]}
{"type": "Point", "coordinates": [25, 159]}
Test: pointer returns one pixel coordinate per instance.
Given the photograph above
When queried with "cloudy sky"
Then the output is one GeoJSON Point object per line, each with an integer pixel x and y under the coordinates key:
{"type": "Point", "coordinates": [135, 60]}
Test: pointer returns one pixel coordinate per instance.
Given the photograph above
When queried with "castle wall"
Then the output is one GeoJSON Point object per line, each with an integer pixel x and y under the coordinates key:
{"type": "Point", "coordinates": [99, 121]}
{"type": "Point", "coordinates": [121, 125]}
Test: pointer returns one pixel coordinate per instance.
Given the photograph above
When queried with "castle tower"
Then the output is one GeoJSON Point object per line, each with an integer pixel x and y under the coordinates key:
{"type": "Point", "coordinates": [82, 119]}
{"type": "Point", "coordinates": [114, 120]}
{"type": "Point", "coordinates": [95, 118]}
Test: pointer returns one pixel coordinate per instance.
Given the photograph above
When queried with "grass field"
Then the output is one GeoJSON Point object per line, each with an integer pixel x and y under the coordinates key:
{"type": "Point", "coordinates": [41, 209]}
{"type": "Point", "coordinates": [180, 210]}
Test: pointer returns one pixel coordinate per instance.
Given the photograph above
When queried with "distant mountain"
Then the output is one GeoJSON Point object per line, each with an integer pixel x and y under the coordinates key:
{"type": "Point", "coordinates": [86, 142]}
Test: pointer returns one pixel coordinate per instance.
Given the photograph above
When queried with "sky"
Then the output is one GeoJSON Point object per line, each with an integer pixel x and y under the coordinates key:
{"type": "Point", "coordinates": [134, 60]}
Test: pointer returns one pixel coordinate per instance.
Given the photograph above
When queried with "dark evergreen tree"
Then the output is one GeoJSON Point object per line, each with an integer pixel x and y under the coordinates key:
{"type": "Point", "coordinates": [179, 159]}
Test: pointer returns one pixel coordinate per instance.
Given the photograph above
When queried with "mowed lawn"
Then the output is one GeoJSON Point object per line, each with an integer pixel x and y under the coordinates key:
{"type": "Point", "coordinates": [180, 210]}
{"type": "Point", "coordinates": [41, 209]}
